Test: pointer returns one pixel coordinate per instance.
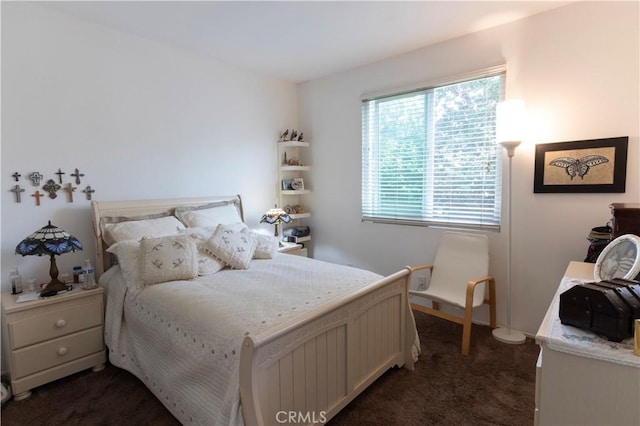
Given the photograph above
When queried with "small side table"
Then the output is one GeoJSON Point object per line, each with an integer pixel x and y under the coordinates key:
{"type": "Point", "coordinates": [53, 337]}
{"type": "Point", "coordinates": [293, 248]}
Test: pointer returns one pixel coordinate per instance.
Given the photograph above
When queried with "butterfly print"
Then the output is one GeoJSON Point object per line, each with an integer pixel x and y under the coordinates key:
{"type": "Point", "coordinates": [578, 166]}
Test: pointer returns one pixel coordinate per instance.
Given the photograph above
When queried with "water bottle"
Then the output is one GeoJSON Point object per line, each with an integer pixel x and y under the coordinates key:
{"type": "Point", "coordinates": [16, 281]}
{"type": "Point", "coordinates": [89, 277]}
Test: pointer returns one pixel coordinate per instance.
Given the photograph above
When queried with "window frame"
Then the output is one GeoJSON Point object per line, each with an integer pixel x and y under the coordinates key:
{"type": "Point", "coordinates": [429, 142]}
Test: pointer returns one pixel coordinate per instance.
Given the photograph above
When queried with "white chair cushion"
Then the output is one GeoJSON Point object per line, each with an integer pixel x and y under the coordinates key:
{"type": "Point", "coordinates": [461, 257]}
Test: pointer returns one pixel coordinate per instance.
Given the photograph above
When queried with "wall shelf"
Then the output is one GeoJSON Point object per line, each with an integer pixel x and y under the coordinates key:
{"type": "Point", "coordinates": [294, 152]}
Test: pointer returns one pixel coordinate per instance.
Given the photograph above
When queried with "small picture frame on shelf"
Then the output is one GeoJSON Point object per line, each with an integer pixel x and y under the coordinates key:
{"type": "Point", "coordinates": [297, 184]}
{"type": "Point", "coordinates": [287, 184]}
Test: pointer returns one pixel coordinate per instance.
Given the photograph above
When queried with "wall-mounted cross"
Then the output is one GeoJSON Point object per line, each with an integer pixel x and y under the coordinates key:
{"type": "Point", "coordinates": [60, 173]}
{"type": "Point", "coordinates": [16, 176]}
{"type": "Point", "coordinates": [70, 188]}
{"type": "Point", "coordinates": [17, 190]}
{"type": "Point", "coordinates": [51, 187]}
{"type": "Point", "coordinates": [37, 194]}
{"type": "Point", "coordinates": [88, 190]}
{"type": "Point", "coordinates": [77, 175]}
{"type": "Point", "coordinates": [35, 178]}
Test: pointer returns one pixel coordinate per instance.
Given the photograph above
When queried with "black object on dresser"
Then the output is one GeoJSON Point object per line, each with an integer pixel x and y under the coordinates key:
{"type": "Point", "coordinates": [626, 218]}
{"type": "Point", "coordinates": [607, 308]}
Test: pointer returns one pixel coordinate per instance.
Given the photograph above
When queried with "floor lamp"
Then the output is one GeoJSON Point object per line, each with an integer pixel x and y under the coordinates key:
{"type": "Point", "coordinates": [508, 130]}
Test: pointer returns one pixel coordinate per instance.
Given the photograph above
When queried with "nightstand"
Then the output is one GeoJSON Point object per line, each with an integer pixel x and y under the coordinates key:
{"type": "Point", "coordinates": [293, 248]}
{"type": "Point", "coordinates": [51, 338]}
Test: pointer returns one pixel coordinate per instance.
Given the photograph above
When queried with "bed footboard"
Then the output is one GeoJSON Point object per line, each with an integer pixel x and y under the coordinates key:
{"type": "Point", "coordinates": [307, 371]}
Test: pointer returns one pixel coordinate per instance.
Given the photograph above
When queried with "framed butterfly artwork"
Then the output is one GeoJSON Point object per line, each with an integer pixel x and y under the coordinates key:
{"type": "Point", "coordinates": [595, 165]}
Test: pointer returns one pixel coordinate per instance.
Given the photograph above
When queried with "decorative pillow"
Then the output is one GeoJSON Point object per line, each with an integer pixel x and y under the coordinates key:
{"type": "Point", "coordinates": [168, 259]}
{"type": "Point", "coordinates": [232, 246]}
{"type": "Point", "coordinates": [207, 264]}
{"type": "Point", "coordinates": [212, 214]}
{"type": "Point", "coordinates": [134, 229]}
{"type": "Point", "coordinates": [266, 246]}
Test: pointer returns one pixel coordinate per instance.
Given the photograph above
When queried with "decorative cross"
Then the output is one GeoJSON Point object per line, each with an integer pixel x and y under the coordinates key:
{"type": "Point", "coordinates": [88, 190]}
{"type": "Point", "coordinates": [70, 188]}
{"type": "Point", "coordinates": [16, 176]}
{"type": "Point", "coordinates": [35, 178]}
{"type": "Point", "coordinates": [77, 175]}
{"type": "Point", "coordinates": [17, 190]}
{"type": "Point", "coordinates": [60, 173]}
{"type": "Point", "coordinates": [37, 194]}
{"type": "Point", "coordinates": [51, 187]}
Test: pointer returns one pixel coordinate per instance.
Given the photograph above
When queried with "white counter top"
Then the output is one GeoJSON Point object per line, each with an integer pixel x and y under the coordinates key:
{"type": "Point", "coordinates": [573, 340]}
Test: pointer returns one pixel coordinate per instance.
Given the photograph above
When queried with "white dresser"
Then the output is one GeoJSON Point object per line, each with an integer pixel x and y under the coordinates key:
{"type": "Point", "coordinates": [583, 379]}
{"type": "Point", "coordinates": [51, 338]}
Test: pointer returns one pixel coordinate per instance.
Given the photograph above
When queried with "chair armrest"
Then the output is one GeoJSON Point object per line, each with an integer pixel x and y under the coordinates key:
{"type": "Point", "coordinates": [471, 287]}
{"type": "Point", "coordinates": [479, 280]}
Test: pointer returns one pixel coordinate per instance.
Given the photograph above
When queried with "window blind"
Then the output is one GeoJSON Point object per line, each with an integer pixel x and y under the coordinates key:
{"type": "Point", "coordinates": [429, 156]}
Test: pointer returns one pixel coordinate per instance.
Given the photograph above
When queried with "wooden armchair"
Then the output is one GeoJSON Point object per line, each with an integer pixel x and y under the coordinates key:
{"type": "Point", "coordinates": [458, 277]}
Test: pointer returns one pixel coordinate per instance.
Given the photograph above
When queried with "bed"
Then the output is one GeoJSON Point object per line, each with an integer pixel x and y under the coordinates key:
{"type": "Point", "coordinates": [285, 340]}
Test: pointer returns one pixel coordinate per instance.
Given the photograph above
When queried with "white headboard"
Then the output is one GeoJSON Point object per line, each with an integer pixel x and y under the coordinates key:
{"type": "Point", "coordinates": [132, 208]}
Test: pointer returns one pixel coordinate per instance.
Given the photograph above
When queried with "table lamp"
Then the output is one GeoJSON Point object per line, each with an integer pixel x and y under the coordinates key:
{"type": "Point", "coordinates": [50, 240]}
{"type": "Point", "coordinates": [275, 216]}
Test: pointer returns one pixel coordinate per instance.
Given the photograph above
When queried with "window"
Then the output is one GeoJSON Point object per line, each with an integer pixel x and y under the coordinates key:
{"type": "Point", "coordinates": [429, 156]}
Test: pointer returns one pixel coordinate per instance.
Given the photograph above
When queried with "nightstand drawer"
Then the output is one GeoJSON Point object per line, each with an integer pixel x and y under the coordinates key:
{"type": "Point", "coordinates": [67, 318]}
{"type": "Point", "coordinates": [55, 352]}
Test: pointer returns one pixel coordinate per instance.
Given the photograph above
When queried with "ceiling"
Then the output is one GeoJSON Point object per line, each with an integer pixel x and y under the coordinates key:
{"type": "Point", "coordinates": [301, 40]}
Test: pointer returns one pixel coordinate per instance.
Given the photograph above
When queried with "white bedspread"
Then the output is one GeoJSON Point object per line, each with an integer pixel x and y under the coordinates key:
{"type": "Point", "coordinates": [183, 338]}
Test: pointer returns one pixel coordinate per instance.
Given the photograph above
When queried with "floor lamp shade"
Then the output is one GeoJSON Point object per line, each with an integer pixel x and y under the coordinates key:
{"type": "Point", "coordinates": [509, 127]}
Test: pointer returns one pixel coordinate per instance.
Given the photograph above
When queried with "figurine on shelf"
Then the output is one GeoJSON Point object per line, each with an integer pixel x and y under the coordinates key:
{"type": "Point", "coordinates": [284, 136]}
{"type": "Point", "coordinates": [294, 135]}
{"type": "Point", "coordinates": [300, 137]}
{"type": "Point", "coordinates": [294, 209]}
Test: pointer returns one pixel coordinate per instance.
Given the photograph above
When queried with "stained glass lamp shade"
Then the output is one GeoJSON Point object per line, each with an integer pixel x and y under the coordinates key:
{"type": "Point", "coordinates": [275, 216]}
{"type": "Point", "coordinates": [50, 241]}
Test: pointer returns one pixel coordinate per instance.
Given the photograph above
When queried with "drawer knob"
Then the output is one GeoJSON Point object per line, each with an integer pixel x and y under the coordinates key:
{"type": "Point", "coordinates": [61, 323]}
{"type": "Point", "coordinates": [62, 351]}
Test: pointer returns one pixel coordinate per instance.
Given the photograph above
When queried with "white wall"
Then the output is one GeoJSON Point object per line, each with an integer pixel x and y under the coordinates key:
{"type": "Point", "coordinates": [577, 70]}
{"type": "Point", "coordinates": [140, 119]}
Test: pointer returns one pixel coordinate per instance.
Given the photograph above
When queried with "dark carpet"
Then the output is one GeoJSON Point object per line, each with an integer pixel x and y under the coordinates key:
{"type": "Point", "coordinates": [493, 385]}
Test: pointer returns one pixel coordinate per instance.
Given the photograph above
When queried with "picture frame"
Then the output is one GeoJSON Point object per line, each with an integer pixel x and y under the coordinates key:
{"type": "Point", "coordinates": [297, 184]}
{"type": "Point", "coordinates": [286, 184]}
{"type": "Point", "coordinates": [619, 259]}
{"type": "Point", "coordinates": [588, 166]}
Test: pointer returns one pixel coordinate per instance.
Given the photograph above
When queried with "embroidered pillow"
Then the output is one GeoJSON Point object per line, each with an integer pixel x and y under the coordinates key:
{"type": "Point", "coordinates": [231, 245]}
{"type": "Point", "coordinates": [168, 259]}
{"type": "Point", "coordinates": [207, 264]}
{"type": "Point", "coordinates": [266, 246]}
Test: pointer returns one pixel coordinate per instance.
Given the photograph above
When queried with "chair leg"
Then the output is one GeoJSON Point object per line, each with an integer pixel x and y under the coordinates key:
{"type": "Point", "coordinates": [466, 330]}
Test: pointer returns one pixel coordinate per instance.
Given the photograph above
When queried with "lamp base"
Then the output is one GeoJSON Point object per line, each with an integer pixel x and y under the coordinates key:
{"type": "Point", "coordinates": [55, 285]}
{"type": "Point", "coordinates": [506, 335]}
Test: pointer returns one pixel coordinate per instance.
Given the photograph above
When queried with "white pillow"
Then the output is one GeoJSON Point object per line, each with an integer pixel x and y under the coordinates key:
{"type": "Point", "coordinates": [136, 229]}
{"type": "Point", "coordinates": [168, 259]}
{"type": "Point", "coordinates": [266, 246]}
{"type": "Point", "coordinates": [207, 264]}
{"type": "Point", "coordinates": [127, 253]}
{"type": "Point", "coordinates": [210, 215]}
{"type": "Point", "coordinates": [232, 246]}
